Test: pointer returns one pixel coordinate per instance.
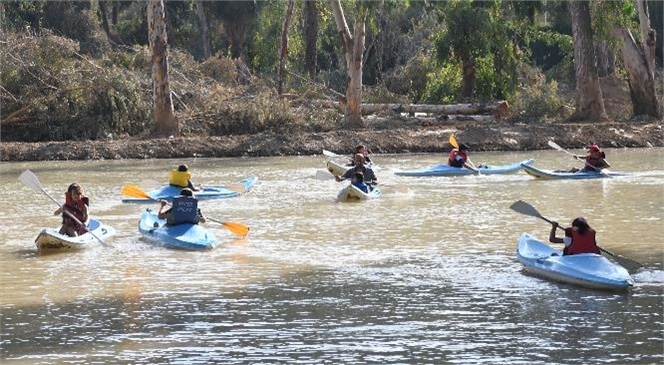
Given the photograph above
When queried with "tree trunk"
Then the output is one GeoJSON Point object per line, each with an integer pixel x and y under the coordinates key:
{"type": "Point", "coordinates": [310, 37]}
{"type": "Point", "coordinates": [166, 122]}
{"type": "Point", "coordinates": [202, 24]}
{"type": "Point", "coordinates": [589, 101]}
{"type": "Point", "coordinates": [104, 23]}
{"type": "Point", "coordinates": [468, 82]}
{"type": "Point", "coordinates": [606, 59]}
{"type": "Point", "coordinates": [641, 82]}
{"type": "Point", "coordinates": [283, 48]}
{"type": "Point", "coordinates": [648, 36]}
{"type": "Point", "coordinates": [114, 12]}
{"type": "Point", "coordinates": [353, 49]}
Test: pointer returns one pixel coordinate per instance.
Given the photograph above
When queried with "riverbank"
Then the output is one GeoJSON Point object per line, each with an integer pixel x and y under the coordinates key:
{"type": "Point", "coordinates": [413, 135]}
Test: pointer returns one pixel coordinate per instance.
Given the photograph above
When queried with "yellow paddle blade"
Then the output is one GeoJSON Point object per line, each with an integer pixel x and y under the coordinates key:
{"type": "Point", "coordinates": [453, 141]}
{"type": "Point", "coordinates": [134, 192]}
{"type": "Point", "coordinates": [239, 229]}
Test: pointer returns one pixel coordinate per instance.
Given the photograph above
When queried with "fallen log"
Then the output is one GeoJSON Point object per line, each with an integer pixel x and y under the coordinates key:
{"type": "Point", "coordinates": [498, 109]}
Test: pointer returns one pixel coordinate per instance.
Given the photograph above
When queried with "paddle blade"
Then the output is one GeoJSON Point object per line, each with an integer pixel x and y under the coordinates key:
{"type": "Point", "coordinates": [324, 175]}
{"type": "Point", "coordinates": [554, 145]}
{"type": "Point", "coordinates": [525, 208]}
{"type": "Point", "coordinates": [453, 141]}
{"type": "Point", "coordinates": [623, 261]}
{"type": "Point", "coordinates": [238, 229]}
{"type": "Point", "coordinates": [31, 180]}
{"type": "Point", "coordinates": [329, 153]}
{"type": "Point", "coordinates": [134, 191]}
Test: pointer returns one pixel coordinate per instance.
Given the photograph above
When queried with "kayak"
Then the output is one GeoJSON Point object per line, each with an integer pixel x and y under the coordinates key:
{"type": "Point", "coordinates": [587, 269]}
{"type": "Point", "coordinates": [447, 170]}
{"type": "Point", "coordinates": [337, 169]}
{"type": "Point", "coordinates": [182, 236]}
{"type": "Point", "coordinates": [353, 193]}
{"type": "Point", "coordinates": [167, 192]}
{"type": "Point", "coordinates": [551, 175]}
{"type": "Point", "coordinates": [51, 239]}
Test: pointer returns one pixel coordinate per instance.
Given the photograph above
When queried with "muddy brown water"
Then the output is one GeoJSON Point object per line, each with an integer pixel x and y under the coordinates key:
{"type": "Point", "coordinates": [425, 274]}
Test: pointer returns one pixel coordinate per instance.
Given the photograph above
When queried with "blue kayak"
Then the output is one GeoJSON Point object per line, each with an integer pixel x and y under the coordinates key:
{"type": "Point", "coordinates": [444, 169]}
{"type": "Point", "coordinates": [587, 269]}
{"type": "Point", "coordinates": [182, 236]}
{"type": "Point", "coordinates": [167, 192]}
{"type": "Point", "coordinates": [562, 175]}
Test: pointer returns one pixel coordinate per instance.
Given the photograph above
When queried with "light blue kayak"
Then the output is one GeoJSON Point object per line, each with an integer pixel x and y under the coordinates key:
{"type": "Point", "coordinates": [553, 175]}
{"type": "Point", "coordinates": [182, 236]}
{"type": "Point", "coordinates": [51, 239]}
{"type": "Point", "coordinates": [587, 269]}
{"type": "Point", "coordinates": [167, 192]}
{"type": "Point", "coordinates": [352, 193]}
{"type": "Point", "coordinates": [444, 169]}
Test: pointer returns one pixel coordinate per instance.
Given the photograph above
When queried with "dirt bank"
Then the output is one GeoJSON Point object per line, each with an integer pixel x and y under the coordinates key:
{"type": "Point", "coordinates": [382, 137]}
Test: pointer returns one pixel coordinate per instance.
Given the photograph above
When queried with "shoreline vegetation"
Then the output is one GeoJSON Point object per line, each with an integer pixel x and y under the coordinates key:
{"type": "Point", "coordinates": [82, 89]}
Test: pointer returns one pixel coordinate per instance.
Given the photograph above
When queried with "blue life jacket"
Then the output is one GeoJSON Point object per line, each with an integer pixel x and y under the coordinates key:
{"type": "Point", "coordinates": [184, 210]}
{"type": "Point", "coordinates": [362, 186]}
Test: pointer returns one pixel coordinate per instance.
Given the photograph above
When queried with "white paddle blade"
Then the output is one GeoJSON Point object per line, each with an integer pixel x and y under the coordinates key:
{"type": "Point", "coordinates": [324, 175]}
{"type": "Point", "coordinates": [31, 180]}
{"type": "Point", "coordinates": [525, 208]}
{"type": "Point", "coordinates": [554, 145]}
{"type": "Point", "coordinates": [329, 153]}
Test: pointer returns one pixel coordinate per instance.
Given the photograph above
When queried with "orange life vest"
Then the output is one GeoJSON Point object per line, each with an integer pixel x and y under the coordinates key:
{"type": "Point", "coordinates": [452, 161]}
{"type": "Point", "coordinates": [581, 243]}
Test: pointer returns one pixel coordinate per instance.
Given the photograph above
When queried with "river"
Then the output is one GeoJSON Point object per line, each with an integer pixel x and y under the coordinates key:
{"type": "Point", "coordinates": [426, 274]}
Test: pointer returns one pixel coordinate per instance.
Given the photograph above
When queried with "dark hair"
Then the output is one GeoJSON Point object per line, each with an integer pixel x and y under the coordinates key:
{"type": "Point", "coordinates": [183, 168]}
{"type": "Point", "coordinates": [359, 147]}
{"type": "Point", "coordinates": [581, 224]}
{"type": "Point", "coordinates": [186, 192]}
{"type": "Point", "coordinates": [463, 147]}
{"type": "Point", "coordinates": [72, 187]}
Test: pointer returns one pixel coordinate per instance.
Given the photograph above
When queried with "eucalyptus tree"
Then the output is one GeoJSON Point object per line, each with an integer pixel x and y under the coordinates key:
{"type": "Point", "coordinates": [310, 36]}
{"type": "Point", "coordinates": [166, 123]}
{"type": "Point", "coordinates": [589, 102]}
{"type": "Point", "coordinates": [353, 49]}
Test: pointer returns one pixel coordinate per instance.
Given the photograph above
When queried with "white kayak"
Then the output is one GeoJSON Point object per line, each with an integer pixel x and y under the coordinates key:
{"type": "Point", "coordinates": [336, 168]}
{"type": "Point", "coordinates": [352, 193]}
{"type": "Point", "coordinates": [589, 270]}
{"type": "Point", "coordinates": [51, 239]}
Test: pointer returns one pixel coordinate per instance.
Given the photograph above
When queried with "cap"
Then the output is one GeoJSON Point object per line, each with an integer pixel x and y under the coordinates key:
{"type": "Point", "coordinates": [463, 146]}
{"type": "Point", "coordinates": [593, 147]}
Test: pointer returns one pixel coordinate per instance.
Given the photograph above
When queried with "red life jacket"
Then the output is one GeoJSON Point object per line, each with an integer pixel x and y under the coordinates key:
{"type": "Point", "coordinates": [594, 161]}
{"type": "Point", "coordinates": [581, 243]}
{"type": "Point", "coordinates": [452, 161]}
{"type": "Point", "coordinates": [76, 209]}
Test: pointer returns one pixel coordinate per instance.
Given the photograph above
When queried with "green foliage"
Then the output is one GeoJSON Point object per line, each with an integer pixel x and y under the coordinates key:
{"type": "Point", "coordinates": [443, 85]}
{"type": "Point", "coordinates": [538, 100]}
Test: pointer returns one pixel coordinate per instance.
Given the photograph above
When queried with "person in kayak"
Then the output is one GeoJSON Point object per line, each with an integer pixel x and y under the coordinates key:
{"type": "Point", "coordinates": [458, 157]}
{"type": "Point", "coordinates": [77, 205]}
{"type": "Point", "coordinates": [594, 160]}
{"type": "Point", "coordinates": [361, 149]}
{"type": "Point", "coordinates": [181, 178]}
{"type": "Point", "coordinates": [183, 210]}
{"type": "Point", "coordinates": [358, 182]}
{"type": "Point", "coordinates": [360, 166]}
{"type": "Point", "coordinates": [579, 238]}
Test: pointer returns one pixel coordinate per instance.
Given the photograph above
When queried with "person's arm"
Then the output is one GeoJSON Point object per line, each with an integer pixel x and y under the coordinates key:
{"type": "Point", "coordinates": [59, 210]}
{"type": "Point", "coordinates": [163, 211]}
{"type": "Point", "coordinates": [85, 214]}
{"type": "Point", "coordinates": [470, 165]}
{"type": "Point", "coordinates": [552, 234]}
{"type": "Point", "coordinates": [347, 175]}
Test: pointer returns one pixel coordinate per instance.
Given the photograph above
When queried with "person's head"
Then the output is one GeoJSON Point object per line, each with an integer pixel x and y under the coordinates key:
{"type": "Point", "coordinates": [75, 191]}
{"type": "Point", "coordinates": [580, 224]}
{"type": "Point", "coordinates": [187, 192]}
{"type": "Point", "coordinates": [358, 177]}
{"type": "Point", "coordinates": [361, 149]}
{"type": "Point", "coordinates": [463, 147]}
{"type": "Point", "coordinates": [183, 168]}
{"type": "Point", "coordinates": [358, 159]}
{"type": "Point", "coordinates": [594, 150]}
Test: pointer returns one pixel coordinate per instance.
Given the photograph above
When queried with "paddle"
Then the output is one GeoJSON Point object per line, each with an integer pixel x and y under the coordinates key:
{"type": "Point", "coordinates": [557, 147]}
{"type": "Point", "coordinates": [324, 175]}
{"type": "Point", "coordinates": [471, 165]}
{"type": "Point", "coordinates": [239, 229]}
{"type": "Point", "coordinates": [527, 209]}
{"type": "Point", "coordinates": [32, 181]}
{"type": "Point", "coordinates": [330, 154]}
